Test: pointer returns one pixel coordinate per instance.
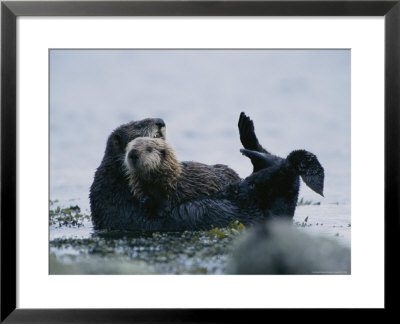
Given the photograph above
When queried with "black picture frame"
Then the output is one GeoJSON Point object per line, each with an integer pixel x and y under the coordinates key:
{"type": "Point", "coordinates": [10, 10]}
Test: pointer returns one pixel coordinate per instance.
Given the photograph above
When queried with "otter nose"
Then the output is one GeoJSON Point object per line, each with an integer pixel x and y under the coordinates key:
{"type": "Point", "coordinates": [133, 155]}
{"type": "Point", "coordinates": [160, 123]}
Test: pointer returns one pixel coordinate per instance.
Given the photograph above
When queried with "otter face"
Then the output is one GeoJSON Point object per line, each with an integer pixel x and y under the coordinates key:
{"type": "Point", "coordinates": [151, 167]}
{"type": "Point", "coordinates": [149, 127]}
{"type": "Point", "coordinates": [145, 155]}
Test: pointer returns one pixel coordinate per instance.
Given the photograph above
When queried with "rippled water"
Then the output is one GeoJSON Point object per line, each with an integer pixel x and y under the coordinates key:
{"type": "Point", "coordinates": [297, 99]}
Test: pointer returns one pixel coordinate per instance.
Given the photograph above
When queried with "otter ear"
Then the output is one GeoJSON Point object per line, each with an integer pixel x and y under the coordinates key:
{"type": "Point", "coordinates": [118, 142]}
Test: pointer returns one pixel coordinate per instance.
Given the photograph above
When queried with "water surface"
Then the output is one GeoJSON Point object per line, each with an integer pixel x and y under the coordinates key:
{"type": "Point", "coordinates": [298, 99]}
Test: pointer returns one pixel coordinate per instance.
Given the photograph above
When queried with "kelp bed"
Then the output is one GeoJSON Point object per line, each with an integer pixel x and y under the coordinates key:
{"type": "Point", "coordinates": [198, 252]}
{"type": "Point", "coordinates": [75, 248]}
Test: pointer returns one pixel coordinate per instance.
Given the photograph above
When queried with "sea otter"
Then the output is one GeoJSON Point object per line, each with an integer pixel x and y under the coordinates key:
{"type": "Point", "coordinates": [164, 186]}
{"type": "Point", "coordinates": [111, 201]}
{"type": "Point", "coordinates": [113, 205]}
{"type": "Point", "coordinates": [157, 178]}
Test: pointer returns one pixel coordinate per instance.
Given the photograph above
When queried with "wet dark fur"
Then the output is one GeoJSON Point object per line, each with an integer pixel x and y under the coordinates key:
{"type": "Point", "coordinates": [307, 163]}
{"type": "Point", "coordinates": [268, 193]}
{"type": "Point", "coordinates": [111, 201]}
{"type": "Point", "coordinates": [158, 179]}
{"type": "Point", "coordinates": [271, 191]}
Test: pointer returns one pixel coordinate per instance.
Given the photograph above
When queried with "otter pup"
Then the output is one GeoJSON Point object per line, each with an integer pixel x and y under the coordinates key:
{"type": "Point", "coordinates": [158, 180]}
{"type": "Point", "coordinates": [111, 201]}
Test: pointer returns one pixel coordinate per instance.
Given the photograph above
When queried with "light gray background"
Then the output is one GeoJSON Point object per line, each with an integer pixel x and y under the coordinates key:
{"type": "Point", "coordinates": [297, 99]}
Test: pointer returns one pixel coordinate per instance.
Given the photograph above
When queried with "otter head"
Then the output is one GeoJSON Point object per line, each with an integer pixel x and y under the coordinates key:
{"type": "Point", "coordinates": [120, 137]}
{"type": "Point", "coordinates": [151, 166]}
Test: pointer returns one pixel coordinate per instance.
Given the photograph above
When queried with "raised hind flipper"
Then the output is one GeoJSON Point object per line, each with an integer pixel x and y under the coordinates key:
{"type": "Point", "coordinates": [309, 168]}
{"type": "Point", "coordinates": [248, 137]}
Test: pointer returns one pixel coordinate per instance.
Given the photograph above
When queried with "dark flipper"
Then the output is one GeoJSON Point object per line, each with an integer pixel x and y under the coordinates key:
{"type": "Point", "coordinates": [259, 160]}
{"type": "Point", "coordinates": [247, 134]}
{"type": "Point", "coordinates": [309, 168]}
{"type": "Point", "coordinates": [248, 137]}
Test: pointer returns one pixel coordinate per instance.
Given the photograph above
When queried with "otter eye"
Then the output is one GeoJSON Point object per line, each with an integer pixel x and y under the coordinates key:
{"type": "Point", "coordinates": [149, 149]}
